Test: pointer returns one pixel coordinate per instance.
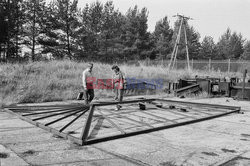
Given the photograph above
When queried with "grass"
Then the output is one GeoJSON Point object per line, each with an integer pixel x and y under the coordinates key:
{"type": "Point", "coordinates": [61, 80]}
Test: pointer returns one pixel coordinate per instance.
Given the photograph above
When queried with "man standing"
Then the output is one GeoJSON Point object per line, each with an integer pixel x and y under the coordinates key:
{"type": "Point", "coordinates": [87, 80]}
{"type": "Point", "coordinates": [118, 84]}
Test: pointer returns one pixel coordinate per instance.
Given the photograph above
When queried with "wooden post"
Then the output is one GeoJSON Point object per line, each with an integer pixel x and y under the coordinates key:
{"type": "Point", "coordinates": [186, 43]}
{"type": "Point", "coordinates": [175, 51]}
{"type": "Point", "coordinates": [192, 64]}
{"type": "Point", "coordinates": [228, 67]}
{"type": "Point", "coordinates": [209, 64]}
{"type": "Point", "coordinates": [244, 84]}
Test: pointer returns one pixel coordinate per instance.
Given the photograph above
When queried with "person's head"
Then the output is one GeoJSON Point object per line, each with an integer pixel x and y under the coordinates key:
{"type": "Point", "coordinates": [90, 66]}
{"type": "Point", "coordinates": [115, 68]}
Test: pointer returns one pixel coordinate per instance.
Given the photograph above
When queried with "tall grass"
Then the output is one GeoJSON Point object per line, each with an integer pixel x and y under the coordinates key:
{"type": "Point", "coordinates": [61, 80]}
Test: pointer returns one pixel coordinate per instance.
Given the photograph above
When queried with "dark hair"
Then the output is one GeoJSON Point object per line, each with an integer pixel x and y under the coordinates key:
{"type": "Point", "coordinates": [115, 67]}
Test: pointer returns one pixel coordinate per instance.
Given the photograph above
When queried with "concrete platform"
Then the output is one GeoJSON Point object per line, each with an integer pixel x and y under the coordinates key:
{"type": "Point", "coordinates": [223, 141]}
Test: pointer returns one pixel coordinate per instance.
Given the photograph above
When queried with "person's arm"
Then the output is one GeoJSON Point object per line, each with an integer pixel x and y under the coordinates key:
{"type": "Point", "coordinates": [84, 82]}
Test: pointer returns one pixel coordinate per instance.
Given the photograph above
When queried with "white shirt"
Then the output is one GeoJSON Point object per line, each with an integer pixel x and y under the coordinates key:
{"type": "Point", "coordinates": [85, 75]}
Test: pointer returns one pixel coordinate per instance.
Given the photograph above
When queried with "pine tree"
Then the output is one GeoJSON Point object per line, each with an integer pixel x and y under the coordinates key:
{"type": "Point", "coordinates": [163, 36]}
{"type": "Point", "coordinates": [11, 24]}
{"type": "Point", "coordinates": [230, 45]}
{"type": "Point", "coordinates": [246, 53]}
{"type": "Point", "coordinates": [34, 21]}
{"type": "Point", "coordinates": [208, 48]}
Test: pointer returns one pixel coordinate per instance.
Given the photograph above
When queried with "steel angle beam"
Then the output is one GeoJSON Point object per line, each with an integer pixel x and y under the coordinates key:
{"type": "Point", "coordinates": [187, 90]}
{"type": "Point", "coordinates": [99, 122]}
{"type": "Point", "coordinates": [225, 110]}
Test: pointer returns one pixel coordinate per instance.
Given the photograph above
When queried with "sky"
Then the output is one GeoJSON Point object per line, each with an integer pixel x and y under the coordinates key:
{"type": "Point", "coordinates": [210, 17]}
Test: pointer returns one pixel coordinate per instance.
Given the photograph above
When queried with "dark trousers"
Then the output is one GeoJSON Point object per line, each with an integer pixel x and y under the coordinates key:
{"type": "Point", "coordinates": [88, 95]}
{"type": "Point", "coordinates": [118, 94]}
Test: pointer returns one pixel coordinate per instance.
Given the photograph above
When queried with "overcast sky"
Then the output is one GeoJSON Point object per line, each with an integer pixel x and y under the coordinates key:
{"type": "Point", "coordinates": [211, 17]}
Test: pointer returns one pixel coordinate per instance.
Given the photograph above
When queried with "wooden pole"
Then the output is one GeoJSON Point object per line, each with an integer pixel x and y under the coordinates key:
{"type": "Point", "coordinates": [228, 67]}
{"type": "Point", "coordinates": [209, 64]}
{"type": "Point", "coordinates": [192, 64]}
{"type": "Point", "coordinates": [244, 84]}
{"type": "Point", "coordinates": [174, 53]}
{"type": "Point", "coordinates": [186, 43]}
{"type": "Point", "coordinates": [178, 41]}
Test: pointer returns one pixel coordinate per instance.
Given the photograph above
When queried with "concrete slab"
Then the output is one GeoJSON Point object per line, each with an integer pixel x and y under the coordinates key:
{"type": "Point", "coordinates": [221, 141]}
{"type": "Point", "coordinates": [104, 162]}
{"type": "Point", "coordinates": [64, 156]}
{"type": "Point", "coordinates": [7, 158]}
{"type": "Point", "coordinates": [25, 137]}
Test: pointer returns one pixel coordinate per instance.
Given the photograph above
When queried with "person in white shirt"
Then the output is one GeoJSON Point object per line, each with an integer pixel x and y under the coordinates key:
{"type": "Point", "coordinates": [87, 80]}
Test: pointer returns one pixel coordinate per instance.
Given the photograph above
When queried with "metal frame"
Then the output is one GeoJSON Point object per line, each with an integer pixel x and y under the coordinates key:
{"type": "Point", "coordinates": [79, 111]}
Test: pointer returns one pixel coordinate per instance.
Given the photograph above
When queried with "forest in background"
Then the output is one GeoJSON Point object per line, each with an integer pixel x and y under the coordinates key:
{"type": "Point", "coordinates": [32, 30]}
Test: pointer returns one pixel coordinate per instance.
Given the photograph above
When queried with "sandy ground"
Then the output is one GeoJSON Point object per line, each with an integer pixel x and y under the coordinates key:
{"type": "Point", "coordinates": [221, 141]}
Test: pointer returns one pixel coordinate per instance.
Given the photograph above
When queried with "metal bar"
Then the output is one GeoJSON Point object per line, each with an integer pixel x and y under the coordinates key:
{"type": "Point", "coordinates": [96, 140]}
{"type": "Point", "coordinates": [85, 132]}
{"type": "Point", "coordinates": [201, 104]}
{"type": "Point", "coordinates": [157, 116]}
{"type": "Point", "coordinates": [28, 110]}
{"type": "Point", "coordinates": [67, 125]}
{"type": "Point", "coordinates": [43, 117]}
{"type": "Point", "coordinates": [240, 87]}
{"type": "Point", "coordinates": [43, 106]}
{"type": "Point", "coordinates": [96, 128]}
{"type": "Point", "coordinates": [37, 113]}
{"type": "Point", "coordinates": [112, 123]}
{"type": "Point", "coordinates": [186, 88]}
{"type": "Point", "coordinates": [54, 131]}
{"type": "Point", "coordinates": [143, 123]}
{"type": "Point", "coordinates": [123, 102]}
{"type": "Point", "coordinates": [62, 118]}
{"type": "Point", "coordinates": [178, 113]}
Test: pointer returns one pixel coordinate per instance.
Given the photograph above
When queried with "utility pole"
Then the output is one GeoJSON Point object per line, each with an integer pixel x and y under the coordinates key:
{"type": "Point", "coordinates": [183, 23]}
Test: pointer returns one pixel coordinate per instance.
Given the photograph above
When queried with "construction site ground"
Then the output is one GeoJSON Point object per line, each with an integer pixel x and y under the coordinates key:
{"type": "Point", "coordinates": [222, 141]}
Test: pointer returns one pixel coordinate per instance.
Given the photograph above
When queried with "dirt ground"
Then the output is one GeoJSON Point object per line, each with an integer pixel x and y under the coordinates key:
{"type": "Point", "coordinates": [222, 141]}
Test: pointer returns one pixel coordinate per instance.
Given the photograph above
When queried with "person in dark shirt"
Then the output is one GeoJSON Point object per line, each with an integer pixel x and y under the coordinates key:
{"type": "Point", "coordinates": [118, 84]}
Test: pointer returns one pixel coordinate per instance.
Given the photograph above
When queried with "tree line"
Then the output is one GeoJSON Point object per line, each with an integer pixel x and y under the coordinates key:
{"type": "Point", "coordinates": [34, 30]}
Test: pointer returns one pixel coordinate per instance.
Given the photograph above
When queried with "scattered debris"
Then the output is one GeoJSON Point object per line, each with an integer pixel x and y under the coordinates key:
{"type": "Point", "coordinates": [28, 153]}
{"type": "Point", "coordinates": [183, 109]}
{"type": "Point", "coordinates": [210, 153]}
{"type": "Point", "coordinates": [172, 107]}
{"type": "Point", "coordinates": [142, 106]}
{"type": "Point", "coordinates": [71, 132]}
{"type": "Point", "coordinates": [228, 150]}
{"type": "Point", "coordinates": [4, 155]}
{"type": "Point", "coordinates": [245, 135]}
